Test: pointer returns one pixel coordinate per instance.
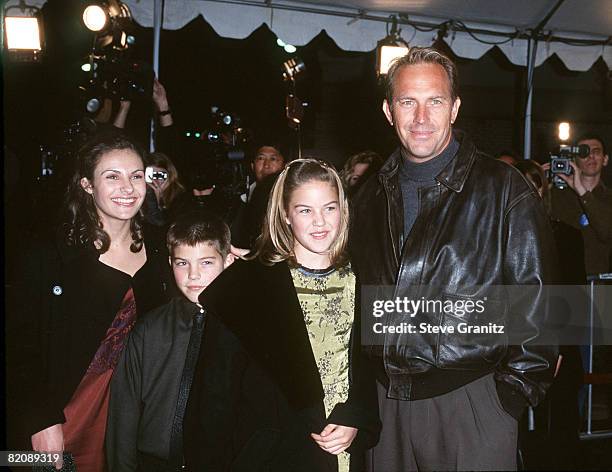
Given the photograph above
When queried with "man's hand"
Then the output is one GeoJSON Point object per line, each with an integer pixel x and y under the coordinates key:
{"type": "Point", "coordinates": [335, 438]}
{"type": "Point", "coordinates": [50, 440]}
{"type": "Point", "coordinates": [574, 181]}
{"type": "Point", "coordinates": [159, 96]}
{"type": "Point", "coordinates": [546, 168]}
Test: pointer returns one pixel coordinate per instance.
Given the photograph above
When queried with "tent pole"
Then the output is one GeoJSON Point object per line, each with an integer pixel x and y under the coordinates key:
{"type": "Point", "coordinates": [531, 55]}
{"type": "Point", "coordinates": [158, 14]}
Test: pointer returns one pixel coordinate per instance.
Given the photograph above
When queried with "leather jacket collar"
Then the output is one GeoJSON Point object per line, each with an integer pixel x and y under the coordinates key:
{"type": "Point", "coordinates": [452, 176]}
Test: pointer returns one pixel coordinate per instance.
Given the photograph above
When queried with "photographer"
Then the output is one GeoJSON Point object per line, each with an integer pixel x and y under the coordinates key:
{"type": "Point", "coordinates": [163, 189]}
{"type": "Point", "coordinates": [587, 204]}
{"type": "Point", "coordinates": [266, 164]}
{"type": "Point", "coordinates": [166, 140]}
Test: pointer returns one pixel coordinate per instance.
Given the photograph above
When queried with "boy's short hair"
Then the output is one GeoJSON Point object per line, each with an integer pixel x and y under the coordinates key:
{"type": "Point", "coordinates": [194, 228]}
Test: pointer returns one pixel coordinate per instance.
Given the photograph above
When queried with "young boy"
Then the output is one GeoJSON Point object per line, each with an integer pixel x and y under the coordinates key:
{"type": "Point", "coordinates": [152, 380]}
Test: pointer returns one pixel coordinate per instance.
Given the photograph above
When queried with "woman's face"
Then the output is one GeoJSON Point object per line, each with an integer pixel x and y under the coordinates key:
{"type": "Point", "coordinates": [357, 173]}
{"type": "Point", "coordinates": [118, 187]}
{"type": "Point", "coordinates": [313, 214]}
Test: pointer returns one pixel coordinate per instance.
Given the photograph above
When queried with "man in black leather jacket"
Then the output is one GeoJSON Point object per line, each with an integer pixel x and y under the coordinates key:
{"type": "Point", "coordinates": [447, 222]}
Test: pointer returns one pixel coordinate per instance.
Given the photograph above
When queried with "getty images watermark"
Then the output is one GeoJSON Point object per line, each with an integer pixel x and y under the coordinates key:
{"type": "Point", "coordinates": [410, 307]}
{"type": "Point", "coordinates": [490, 315]}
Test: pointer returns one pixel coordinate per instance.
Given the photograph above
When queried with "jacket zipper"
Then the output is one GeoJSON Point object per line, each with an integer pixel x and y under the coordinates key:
{"type": "Point", "coordinates": [386, 187]}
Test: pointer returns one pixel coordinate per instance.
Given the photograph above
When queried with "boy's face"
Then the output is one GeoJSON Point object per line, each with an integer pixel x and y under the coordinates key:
{"type": "Point", "coordinates": [195, 267]}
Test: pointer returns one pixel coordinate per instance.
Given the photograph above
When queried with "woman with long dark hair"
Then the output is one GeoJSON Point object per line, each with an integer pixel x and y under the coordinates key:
{"type": "Point", "coordinates": [85, 289]}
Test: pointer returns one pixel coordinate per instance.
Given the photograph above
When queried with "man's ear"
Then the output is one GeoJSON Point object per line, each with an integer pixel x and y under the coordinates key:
{"type": "Point", "coordinates": [455, 110]}
{"type": "Point", "coordinates": [605, 160]}
{"type": "Point", "coordinates": [86, 185]}
{"type": "Point", "coordinates": [387, 111]}
{"type": "Point", "coordinates": [229, 260]}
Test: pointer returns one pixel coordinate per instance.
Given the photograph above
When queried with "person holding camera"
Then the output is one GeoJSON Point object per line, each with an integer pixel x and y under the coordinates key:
{"type": "Point", "coordinates": [588, 205]}
{"type": "Point", "coordinates": [163, 189]}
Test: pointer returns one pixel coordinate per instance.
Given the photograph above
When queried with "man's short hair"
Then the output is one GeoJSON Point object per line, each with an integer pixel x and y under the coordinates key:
{"type": "Point", "coordinates": [195, 228]}
{"type": "Point", "coordinates": [419, 55]}
{"type": "Point", "coordinates": [276, 145]}
{"type": "Point", "coordinates": [590, 135]}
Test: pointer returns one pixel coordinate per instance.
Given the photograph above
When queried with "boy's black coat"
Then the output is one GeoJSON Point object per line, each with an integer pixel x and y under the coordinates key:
{"type": "Point", "coordinates": [257, 394]}
{"type": "Point", "coordinates": [145, 387]}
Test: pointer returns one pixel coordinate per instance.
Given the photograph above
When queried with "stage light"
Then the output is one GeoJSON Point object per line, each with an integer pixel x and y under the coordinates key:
{"type": "Point", "coordinates": [387, 54]}
{"type": "Point", "coordinates": [564, 131]}
{"type": "Point", "coordinates": [389, 49]}
{"type": "Point", "coordinates": [23, 33]}
{"type": "Point", "coordinates": [290, 48]}
{"type": "Point", "coordinates": [111, 20]}
{"type": "Point", "coordinates": [95, 18]}
{"type": "Point", "coordinates": [280, 42]}
{"type": "Point", "coordinates": [292, 68]}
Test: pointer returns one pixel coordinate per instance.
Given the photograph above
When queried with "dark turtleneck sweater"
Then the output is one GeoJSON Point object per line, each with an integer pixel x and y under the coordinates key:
{"type": "Point", "coordinates": [413, 176]}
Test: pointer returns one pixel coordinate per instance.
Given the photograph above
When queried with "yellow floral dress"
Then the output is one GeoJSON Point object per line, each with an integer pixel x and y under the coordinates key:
{"type": "Point", "coordinates": [327, 299]}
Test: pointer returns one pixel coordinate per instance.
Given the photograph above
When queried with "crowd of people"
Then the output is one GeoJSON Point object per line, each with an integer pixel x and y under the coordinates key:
{"type": "Point", "coordinates": [177, 331]}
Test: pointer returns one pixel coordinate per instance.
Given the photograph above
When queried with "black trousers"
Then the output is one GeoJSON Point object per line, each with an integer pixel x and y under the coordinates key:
{"type": "Point", "coordinates": [466, 429]}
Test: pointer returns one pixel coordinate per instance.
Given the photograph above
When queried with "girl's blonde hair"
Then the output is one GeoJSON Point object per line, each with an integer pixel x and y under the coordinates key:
{"type": "Point", "coordinates": [277, 241]}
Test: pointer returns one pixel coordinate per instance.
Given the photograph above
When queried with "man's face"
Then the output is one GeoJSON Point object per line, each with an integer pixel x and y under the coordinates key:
{"type": "Point", "coordinates": [423, 110]}
{"type": "Point", "coordinates": [267, 161]}
{"type": "Point", "coordinates": [593, 164]}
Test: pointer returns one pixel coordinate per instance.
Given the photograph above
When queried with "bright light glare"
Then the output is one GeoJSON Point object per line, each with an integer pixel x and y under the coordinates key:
{"type": "Point", "coordinates": [280, 42]}
{"type": "Point", "coordinates": [22, 33]}
{"type": "Point", "coordinates": [290, 48]}
{"type": "Point", "coordinates": [564, 131]}
{"type": "Point", "coordinates": [86, 67]}
{"type": "Point", "coordinates": [388, 54]}
{"type": "Point", "coordinates": [94, 17]}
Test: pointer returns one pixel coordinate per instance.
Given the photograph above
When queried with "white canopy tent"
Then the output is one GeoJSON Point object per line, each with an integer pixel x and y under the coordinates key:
{"type": "Point", "coordinates": [528, 32]}
{"type": "Point", "coordinates": [579, 32]}
{"type": "Point", "coordinates": [359, 24]}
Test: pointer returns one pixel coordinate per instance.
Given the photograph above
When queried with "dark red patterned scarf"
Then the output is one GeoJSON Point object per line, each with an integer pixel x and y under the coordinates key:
{"type": "Point", "coordinates": [86, 412]}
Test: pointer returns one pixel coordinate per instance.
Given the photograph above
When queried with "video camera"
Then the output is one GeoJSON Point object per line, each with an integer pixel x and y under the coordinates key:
{"type": "Point", "coordinates": [219, 146]}
{"type": "Point", "coordinates": [560, 162]}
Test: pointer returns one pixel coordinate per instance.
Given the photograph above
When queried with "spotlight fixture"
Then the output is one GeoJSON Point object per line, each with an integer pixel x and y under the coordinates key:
{"type": "Point", "coordinates": [95, 18]}
{"type": "Point", "coordinates": [111, 20]}
{"type": "Point", "coordinates": [292, 68]}
{"type": "Point", "coordinates": [564, 131]}
{"type": "Point", "coordinates": [389, 49]}
{"type": "Point", "coordinates": [23, 32]}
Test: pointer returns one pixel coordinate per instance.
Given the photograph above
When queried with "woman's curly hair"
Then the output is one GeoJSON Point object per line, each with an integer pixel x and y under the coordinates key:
{"type": "Point", "coordinates": [82, 225]}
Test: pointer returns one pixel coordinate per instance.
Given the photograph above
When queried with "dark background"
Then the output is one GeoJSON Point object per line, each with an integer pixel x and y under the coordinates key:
{"type": "Point", "coordinates": [200, 69]}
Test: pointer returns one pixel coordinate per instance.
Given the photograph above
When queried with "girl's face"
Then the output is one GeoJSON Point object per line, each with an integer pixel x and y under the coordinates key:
{"type": "Point", "coordinates": [313, 214]}
{"type": "Point", "coordinates": [118, 187]}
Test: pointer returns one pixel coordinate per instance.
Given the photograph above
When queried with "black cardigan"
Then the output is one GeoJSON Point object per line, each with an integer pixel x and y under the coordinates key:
{"type": "Point", "coordinates": [257, 393]}
{"type": "Point", "coordinates": [70, 299]}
